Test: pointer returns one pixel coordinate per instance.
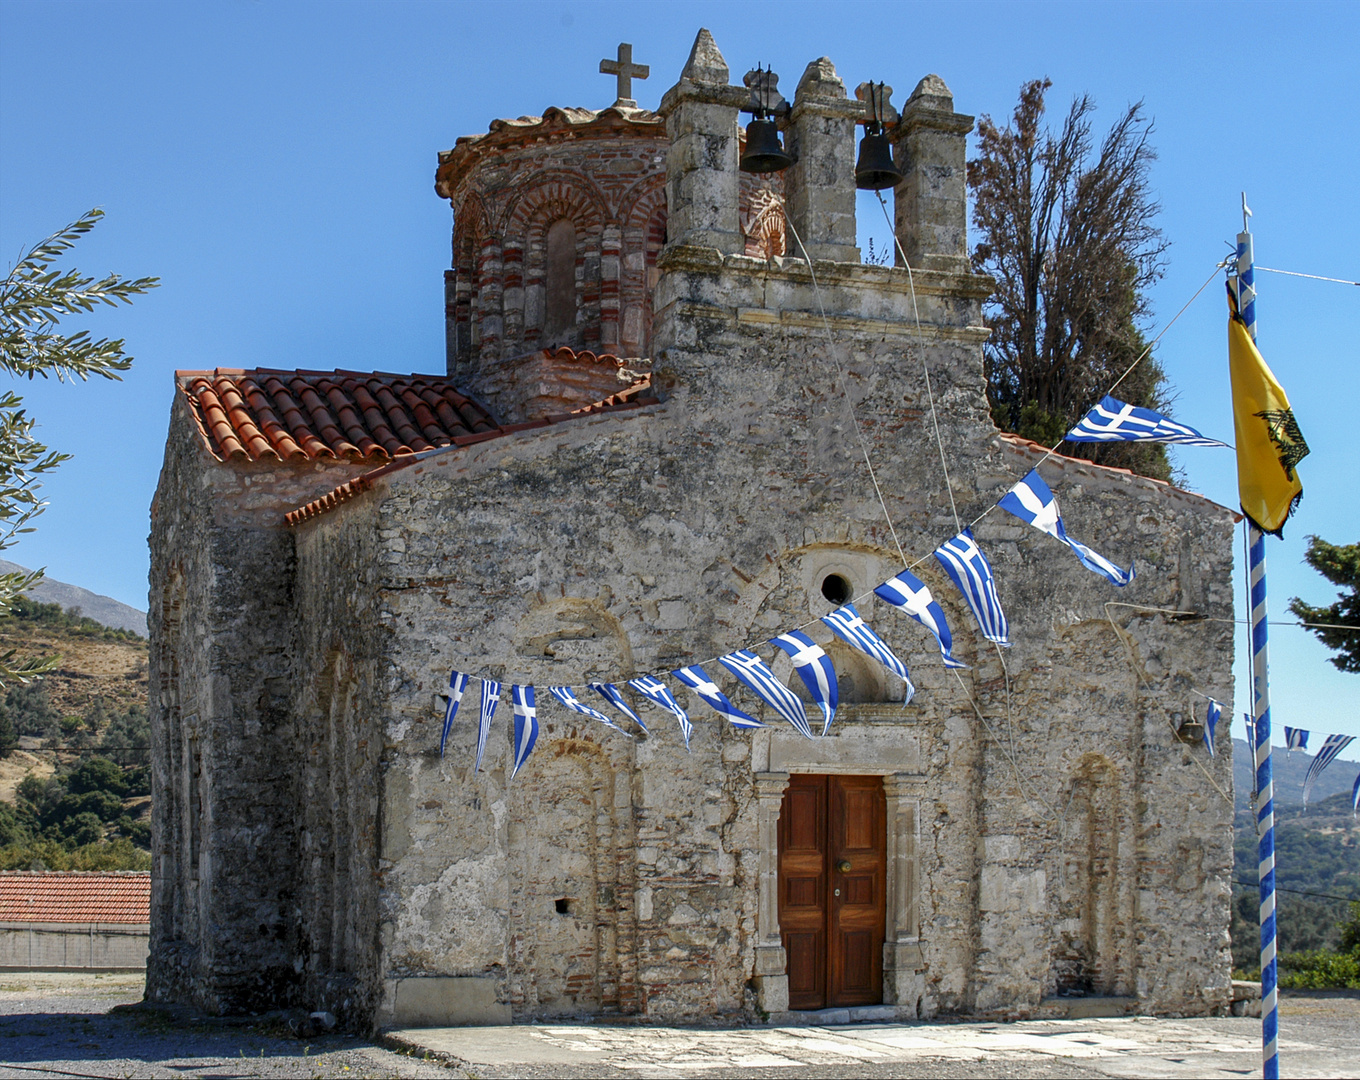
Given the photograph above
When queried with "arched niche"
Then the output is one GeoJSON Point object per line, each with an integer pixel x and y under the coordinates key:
{"type": "Point", "coordinates": [549, 199]}
{"type": "Point", "coordinates": [570, 897]}
{"type": "Point", "coordinates": [1091, 950]}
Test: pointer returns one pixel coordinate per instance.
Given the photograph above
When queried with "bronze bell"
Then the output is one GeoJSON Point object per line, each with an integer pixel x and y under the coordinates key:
{"type": "Point", "coordinates": [875, 170]}
{"type": "Point", "coordinates": [763, 153]}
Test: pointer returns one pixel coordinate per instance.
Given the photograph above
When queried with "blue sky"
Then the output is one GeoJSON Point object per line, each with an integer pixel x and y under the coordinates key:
{"type": "Point", "coordinates": [273, 163]}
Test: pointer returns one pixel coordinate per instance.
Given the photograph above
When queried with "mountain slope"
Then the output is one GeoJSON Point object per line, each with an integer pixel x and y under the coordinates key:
{"type": "Point", "coordinates": [1287, 772]}
{"type": "Point", "coordinates": [103, 609]}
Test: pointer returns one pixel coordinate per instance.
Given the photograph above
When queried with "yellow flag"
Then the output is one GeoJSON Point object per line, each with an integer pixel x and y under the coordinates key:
{"type": "Point", "coordinates": [1269, 443]}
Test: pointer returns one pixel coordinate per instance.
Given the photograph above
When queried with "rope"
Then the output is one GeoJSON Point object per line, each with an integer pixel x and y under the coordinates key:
{"type": "Point", "coordinates": [1299, 892]}
{"type": "Point", "coordinates": [826, 326]}
{"type": "Point", "coordinates": [1015, 765]}
{"type": "Point", "coordinates": [925, 367]}
{"type": "Point", "coordinates": [840, 377]}
{"type": "Point", "coordinates": [1315, 277]}
{"type": "Point", "coordinates": [1127, 372]}
{"type": "Point", "coordinates": [1197, 617]}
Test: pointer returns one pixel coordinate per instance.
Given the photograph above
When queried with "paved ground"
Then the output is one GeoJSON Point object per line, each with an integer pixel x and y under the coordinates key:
{"type": "Point", "coordinates": [1321, 1038]}
{"type": "Point", "coordinates": [60, 1025]}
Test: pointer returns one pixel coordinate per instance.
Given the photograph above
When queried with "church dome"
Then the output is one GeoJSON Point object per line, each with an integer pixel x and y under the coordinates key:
{"type": "Point", "coordinates": [558, 220]}
{"type": "Point", "coordinates": [558, 223]}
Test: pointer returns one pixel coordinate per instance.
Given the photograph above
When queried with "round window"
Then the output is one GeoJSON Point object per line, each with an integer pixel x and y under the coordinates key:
{"type": "Point", "coordinates": [837, 589]}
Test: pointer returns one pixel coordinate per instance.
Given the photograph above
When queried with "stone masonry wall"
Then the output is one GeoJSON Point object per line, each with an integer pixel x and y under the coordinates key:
{"type": "Point", "coordinates": [222, 622]}
{"type": "Point", "coordinates": [605, 174]}
{"type": "Point", "coordinates": [1049, 833]}
{"type": "Point", "coordinates": [1066, 837]}
{"type": "Point", "coordinates": [340, 741]}
{"type": "Point", "coordinates": [609, 186]}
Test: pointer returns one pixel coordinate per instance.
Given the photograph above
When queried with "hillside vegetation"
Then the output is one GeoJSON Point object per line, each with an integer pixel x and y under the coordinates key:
{"type": "Point", "coordinates": [75, 784]}
{"type": "Point", "coordinates": [1317, 871]}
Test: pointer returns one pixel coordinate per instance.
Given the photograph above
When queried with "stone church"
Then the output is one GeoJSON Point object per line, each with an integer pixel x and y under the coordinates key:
{"type": "Point", "coordinates": [647, 448]}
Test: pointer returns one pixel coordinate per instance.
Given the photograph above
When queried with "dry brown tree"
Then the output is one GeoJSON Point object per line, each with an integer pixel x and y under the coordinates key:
{"type": "Point", "coordinates": [1067, 231]}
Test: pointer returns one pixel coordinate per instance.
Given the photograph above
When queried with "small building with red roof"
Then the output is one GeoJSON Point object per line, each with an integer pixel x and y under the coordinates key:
{"type": "Point", "coordinates": [74, 920]}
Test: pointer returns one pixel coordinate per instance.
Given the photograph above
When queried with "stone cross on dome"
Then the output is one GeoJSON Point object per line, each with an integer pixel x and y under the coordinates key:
{"type": "Point", "coordinates": [625, 71]}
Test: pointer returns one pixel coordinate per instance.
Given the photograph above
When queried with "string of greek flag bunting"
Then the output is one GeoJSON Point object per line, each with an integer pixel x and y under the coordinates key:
{"type": "Point", "coordinates": [964, 563]}
{"type": "Point", "coordinates": [1295, 739]}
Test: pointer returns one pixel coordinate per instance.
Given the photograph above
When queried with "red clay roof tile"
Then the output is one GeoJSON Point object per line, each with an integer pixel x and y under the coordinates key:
{"type": "Point", "coordinates": [75, 897]}
{"type": "Point", "coordinates": [635, 397]}
{"type": "Point", "coordinates": [272, 415]}
{"type": "Point", "coordinates": [1031, 449]}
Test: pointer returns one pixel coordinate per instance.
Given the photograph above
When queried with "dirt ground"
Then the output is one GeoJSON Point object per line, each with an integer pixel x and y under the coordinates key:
{"type": "Point", "coordinates": [89, 668]}
{"type": "Point", "coordinates": [18, 765]}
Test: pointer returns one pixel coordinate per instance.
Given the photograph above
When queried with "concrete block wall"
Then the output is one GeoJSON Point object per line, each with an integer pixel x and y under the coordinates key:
{"type": "Point", "coordinates": [72, 947]}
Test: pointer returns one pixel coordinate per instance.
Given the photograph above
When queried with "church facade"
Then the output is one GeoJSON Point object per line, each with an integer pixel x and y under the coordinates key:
{"type": "Point", "coordinates": [648, 449]}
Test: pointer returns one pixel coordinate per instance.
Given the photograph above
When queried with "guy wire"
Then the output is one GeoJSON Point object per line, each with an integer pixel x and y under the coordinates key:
{"type": "Point", "coordinates": [1128, 371]}
{"type": "Point", "coordinates": [925, 367]}
{"type": "Point", "coordinates": [1123, 637]}
{"type": "Point", "coordinates": [845, 392]}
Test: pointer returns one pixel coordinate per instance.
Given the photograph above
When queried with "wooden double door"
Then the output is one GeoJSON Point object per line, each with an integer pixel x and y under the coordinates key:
{"type": "Point", "coordinates": [832, 886]}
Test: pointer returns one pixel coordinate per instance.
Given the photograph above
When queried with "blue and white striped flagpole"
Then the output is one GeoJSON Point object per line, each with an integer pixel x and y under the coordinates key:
{"type": "Point", "coordinates": [1265, 805]}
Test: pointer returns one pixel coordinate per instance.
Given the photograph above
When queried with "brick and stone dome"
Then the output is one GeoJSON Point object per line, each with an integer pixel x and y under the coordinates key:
{"type": "Point", "coordinates": [558, 222]}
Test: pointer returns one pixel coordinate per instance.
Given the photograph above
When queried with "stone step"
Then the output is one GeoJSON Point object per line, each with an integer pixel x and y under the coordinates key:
{"type": "Point", "coordinates": [859, 1014]}
{"type": "Point", "coordinates": [1246, 998]}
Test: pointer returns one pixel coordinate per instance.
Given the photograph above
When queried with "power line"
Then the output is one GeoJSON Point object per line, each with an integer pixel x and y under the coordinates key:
{"type": "Point", "coordinates": [1299, 892]}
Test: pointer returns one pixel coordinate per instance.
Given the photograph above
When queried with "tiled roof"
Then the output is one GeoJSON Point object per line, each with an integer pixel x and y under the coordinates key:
{"type": "Point", "coordinates": [569, 123]}
{"type": "Point", "coordinates": [75, 897]}
{"type": "Point", "coordinates": [272, 415]}
{"type": "Point", "coordinates": [581, 356]}
{"type": "Point", "coordinates": [1030, 449]}
{"type": "Point", "coordinates": [635, 397]}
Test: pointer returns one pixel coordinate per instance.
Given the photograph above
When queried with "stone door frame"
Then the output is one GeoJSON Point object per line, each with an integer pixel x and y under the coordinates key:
{"type": "Point", "coordinates": [864, 750]}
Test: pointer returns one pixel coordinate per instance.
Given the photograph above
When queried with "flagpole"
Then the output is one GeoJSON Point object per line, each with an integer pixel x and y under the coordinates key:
{"type": "Point", "coordinates": [1260, 653]}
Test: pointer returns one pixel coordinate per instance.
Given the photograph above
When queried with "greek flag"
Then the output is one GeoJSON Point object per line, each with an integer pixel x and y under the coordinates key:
{"type": "Point", "coordinates": [1114, 421]}
{"type": "Point", "coordinates": [1333, 746]}
{"type": "Point", "coordinates": [570, 700]}
{"type": "Point", "coordinates": [751, 670]}
{"type": "Point", "coordinates": [1295, 739]}
{"type": "Point", "coordinates": [611, 694]}
{"type": "Point", "coordinates": [491, 696]}
{"type": "Point", "coordinates": [814, 667]}
{"type": "Point", "coordinates": [1211, 724]}
{"type": "Point", "coordinates": [849, 627]}
{"type": "Point", "coordinates": [526, 725]}
{"type": "Point", "coordinates": [912, 595]}
{"type": "Point", "coordinates": [457, 684]}
{"type": "Point", "coordinates": [968, 568]}
{"type": "Point", "coordinates": [657, 692]}
{"type": "Point", "coordinates": [697, 680]}
{"type": "Point", "coordinates": [1032, 501]}
{"type": "Point", "coordinates": [1355, 795]}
